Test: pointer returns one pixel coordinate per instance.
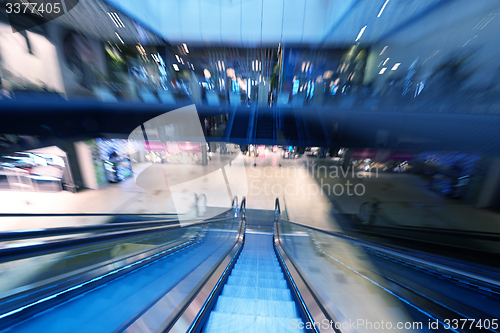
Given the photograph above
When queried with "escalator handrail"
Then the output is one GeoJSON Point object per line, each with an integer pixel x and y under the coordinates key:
{"type": "Point", "coordinates": [477, 273]}
{"type": "Point", "coordinates": [192, 315]}
{"type": "Point", "coordinates": [442, 231]}
{"type": "Point", "coordinates": [71, 282]}
{"type": "Point", "coordinates": [277, 210]}
{"type": "Point", "coordinates": [234, 206]}
{"type": "Point", "coordinates": [61, 231]}
{"type": "Point", "coordinates": [308, 299]}
{"type": "Point", "coordinates": [27, 251]}
{"type": "Point", "coordinates": [243, 213]}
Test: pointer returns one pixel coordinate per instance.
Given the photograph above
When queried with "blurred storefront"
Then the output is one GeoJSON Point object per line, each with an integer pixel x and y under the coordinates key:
{"type": "Point", "coordinates": [173, 152]}
{"type": "Point", "coordinates": [449, 173]}
{"type": "Point", "coordinates": [29, 61]}
{"type": "Point", "coordinates": [382, 160]}
{"type": "Point", "coordinates": [43, 169]}
{"type": "Point", "coordinates": [103, 161]}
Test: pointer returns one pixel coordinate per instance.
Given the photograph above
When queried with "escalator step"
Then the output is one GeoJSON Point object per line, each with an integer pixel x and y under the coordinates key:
{"type": "Point", "coordinates": [223, 322]}
{"type": "Point", "coordinates": [256, 307]}
{"type": "Point", "coordinates": [255, 297]}
{"type": "Point", "coordinates": [264, 257]}
{"type": "Point", "coordinates": [256, 283]}
{"type": "Point", "coordinates": [260, 268]}
{"type": "Point", "coordinates": [279, 294]}
{"type": "Point", "coordinates": [258, 274]}
{"type": "Point", "coordinates": [256, 263]}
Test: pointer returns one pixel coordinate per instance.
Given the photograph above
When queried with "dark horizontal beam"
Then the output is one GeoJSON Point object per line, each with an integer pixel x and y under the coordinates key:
{"type": "Point", "coordinates": [70, 121]}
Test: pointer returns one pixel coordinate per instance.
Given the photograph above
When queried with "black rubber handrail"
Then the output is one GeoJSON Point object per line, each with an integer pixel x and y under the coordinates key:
{"type": "Point", "coordinates": [193, 313]}
{"type": "Point", "coordinates": [441, 231]}
{"type": "Point", "coordinates": [395, 225]}
{"type": "Point", "coordinates": [463, 267]}
{"type": "Point", "coordinates": [277, 210]}
{"type": "Point", "coordinates": [61, 231]}
{"type": "Point", "coordinates": [306, 296]}
{"type": "Point", "coordinates": [243, 212]}
{"type": "Point", "coordinates": [234, 206]}
{"type": "Point", "coordinates": [27, 251]}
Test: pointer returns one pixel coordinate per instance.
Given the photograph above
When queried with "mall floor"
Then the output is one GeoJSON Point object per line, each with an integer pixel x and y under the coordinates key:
{"type": "Point", "coordinates": [309, 188]}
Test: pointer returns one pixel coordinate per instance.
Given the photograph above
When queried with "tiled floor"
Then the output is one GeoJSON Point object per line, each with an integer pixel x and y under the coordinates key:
{"type": "Point", "coordinates": [305, 190]}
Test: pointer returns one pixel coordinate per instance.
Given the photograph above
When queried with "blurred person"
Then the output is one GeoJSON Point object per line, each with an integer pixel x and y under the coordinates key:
{"type": "Point", "coordinates": [194, 86]}
{"type": "Point", "coordinates": [206, 129]}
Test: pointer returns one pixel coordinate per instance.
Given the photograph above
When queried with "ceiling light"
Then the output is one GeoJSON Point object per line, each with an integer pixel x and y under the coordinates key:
{"type": "Point", "coordinates": [360, 33]}
{"type": "Point", "coordinates": [385, 62]}
{"type": "Point", "coordinates": [141, 49]}
{"type": "Point", "coordinates": [382, 71]}
{"type": "Point", "coordinates": [121, 40]}
{"type": "Point", "coordinates": [175, 67]}
{"type": "Point", "coordinates": [395, 66]}
{"type": "Point", "coordinates": [185, 47]}
{"type": "Point", "coordinates": [116, 20]}
{"type": "Point", "coordinates": [383, 7]}
{"type": "Point", "coordinates": [383, 50]}
{"type": "Point", "coordinates": [159, 57]}
{"type": "Point", "coordinates": [113, 19]}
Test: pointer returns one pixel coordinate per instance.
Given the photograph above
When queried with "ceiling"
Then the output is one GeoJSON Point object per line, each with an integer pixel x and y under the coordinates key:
{"type": "Point", "coordinates": [251, 23]}
{"type": "Point", "coordinates": [91, 18]}
{"type": "Point", "coordinates": [301, 22]}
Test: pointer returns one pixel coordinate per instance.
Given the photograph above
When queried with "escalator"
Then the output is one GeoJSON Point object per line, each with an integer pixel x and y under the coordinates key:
{"type": "Point", "coordinates": [265, 125]}
{"type": "Point", "coordinates": [104, 278]}
{"type": "Point", "coordinates": [375, 223]}
{"type": "Point", "coordinates": [256, 292]}
{"type": "Point", "coordinates": [242, 271]}
{"type": "Point", "coordinates": [240, 123]}
{"type": "Point", "coordinates": [154, 286]}
{"type": "Point", "coordinates": [109, 306]}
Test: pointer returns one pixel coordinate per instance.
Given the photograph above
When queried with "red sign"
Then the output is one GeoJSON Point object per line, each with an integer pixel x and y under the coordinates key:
{"type": "Point", "coordinates": [361, 154]}
{"type": "Point", "coordinates": [173, 148]}
{"type": "Point", "coordinates": [154, 146]}
{"type": "Point", "coordinates": [262, 151]}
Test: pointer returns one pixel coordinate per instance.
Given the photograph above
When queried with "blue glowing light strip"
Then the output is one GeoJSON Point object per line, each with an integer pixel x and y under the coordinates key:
{"type": "Point", "coordinates": [308, 314]}
{"type": "Point", "coordinates": [90, 281]}
{"type": "Point", "coordinates": [383, 288]}
{"type": "Point", "coordinates": [67, 257]}
{"type": "Point", "coordinates": [427, 270]}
